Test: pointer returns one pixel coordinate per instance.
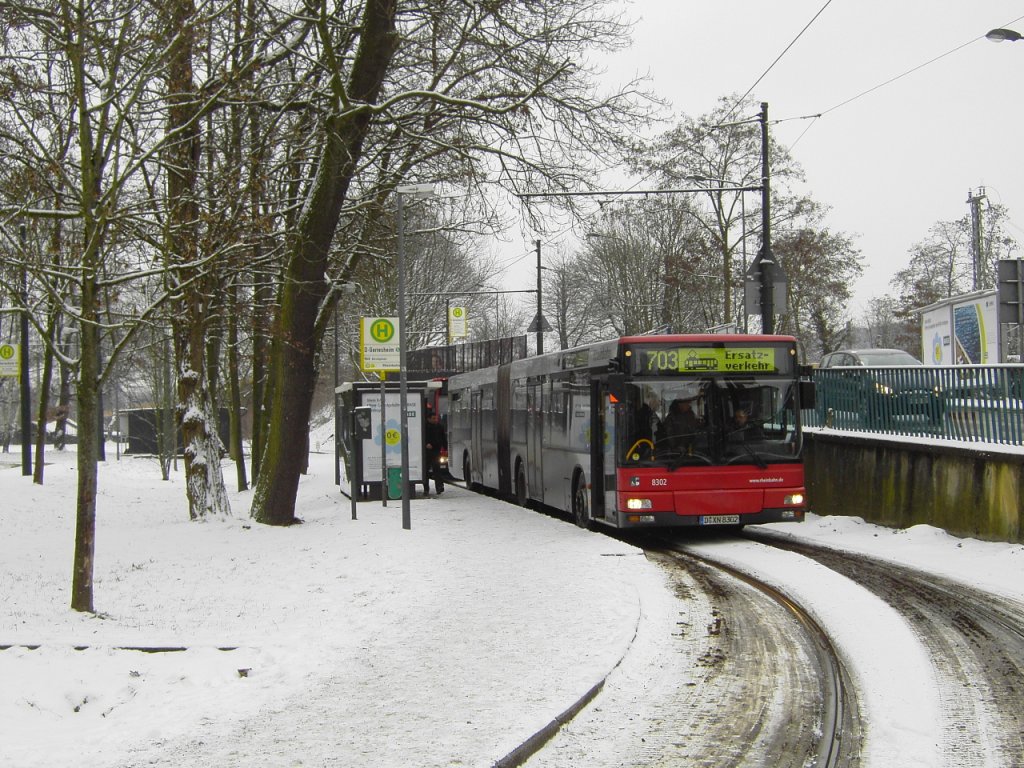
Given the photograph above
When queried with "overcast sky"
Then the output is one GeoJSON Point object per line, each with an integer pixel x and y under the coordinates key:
{"type": "Point", "coordinates": [891, 161]}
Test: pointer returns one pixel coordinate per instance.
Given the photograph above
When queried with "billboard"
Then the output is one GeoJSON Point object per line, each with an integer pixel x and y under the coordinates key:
{"type": "Point", "coordinates": [371, 452]}
{"type": "Point", "coordinates": [962, 330]}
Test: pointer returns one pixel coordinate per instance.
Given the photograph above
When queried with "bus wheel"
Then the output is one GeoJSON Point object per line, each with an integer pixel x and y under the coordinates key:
{"type": "Point", "coordinates": [521, 498]}
{"type": "Point", "coordinates": [465, 473]}
{"type": "Point", "coordinates": [580, 509]}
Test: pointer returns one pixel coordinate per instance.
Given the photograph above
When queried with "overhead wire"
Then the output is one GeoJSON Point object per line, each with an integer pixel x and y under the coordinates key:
{"type": "Point", "coordinates": [816, 116]}
{"type": "Point", "coordinates": [892, 80]}
{"type": "Point", "coordinates": [749, 90]}
{"type": "Point", "coordinates": [728, 114]}
{"type": "Point", "coordinates": [779, 57]}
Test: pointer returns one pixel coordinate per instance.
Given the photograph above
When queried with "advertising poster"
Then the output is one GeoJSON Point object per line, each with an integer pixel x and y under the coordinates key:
{"type": "Point", "coordinates": [936, 337]}
{"type": "Point", "coordinates": [975, 331]}
{"type": "Point", "coordinates": [962, 330]}
{"type": "Point", "coordinates": [393, 435]}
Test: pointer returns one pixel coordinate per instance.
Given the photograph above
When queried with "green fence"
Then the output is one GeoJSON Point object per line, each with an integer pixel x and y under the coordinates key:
{"type": "Point", "coordinates": [977, 403]}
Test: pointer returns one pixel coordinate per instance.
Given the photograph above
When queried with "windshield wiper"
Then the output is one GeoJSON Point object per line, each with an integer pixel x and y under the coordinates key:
{"type": "Point", "coordinates": [760, 462]}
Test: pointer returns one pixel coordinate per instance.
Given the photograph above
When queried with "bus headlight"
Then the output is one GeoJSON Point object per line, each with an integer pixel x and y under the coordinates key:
{"type": "Point", "coordinates": [638, 504]}
{"type": "Point", "coordinates": [793, 499]}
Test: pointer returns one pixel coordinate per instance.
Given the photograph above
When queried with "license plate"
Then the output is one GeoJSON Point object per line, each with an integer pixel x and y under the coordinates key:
{"type": "Point", "coordinates": [719, 519]}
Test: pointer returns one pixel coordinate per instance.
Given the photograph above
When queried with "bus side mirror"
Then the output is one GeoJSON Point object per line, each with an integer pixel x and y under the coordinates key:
{"type": "Point", "coordinates": [807, 393]}
{"type": "Point", "coordinates": [362, 423]}
{"type": "Point", "coordinates": [617, 385]}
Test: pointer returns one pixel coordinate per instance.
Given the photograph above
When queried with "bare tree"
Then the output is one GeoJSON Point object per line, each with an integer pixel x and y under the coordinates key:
{"type": "Point", "coordinates": [184, 147]}
{"type": "Point", "coordinates": [942, 265]}
{"type": "Point", "coordinates": [454, 89]}
{"type": "Point", "coordinates": [626, 275]}
{"type": "Point", "coordinates": [719, 152]}
{"type": "Point", "coordinates": [820, 267]}
{"type": "Point", "coordinates": [572, 310]}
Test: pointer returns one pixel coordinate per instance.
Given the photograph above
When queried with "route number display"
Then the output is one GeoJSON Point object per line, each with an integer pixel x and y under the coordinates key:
{"type": "Point", "coordinates": [666, 361]}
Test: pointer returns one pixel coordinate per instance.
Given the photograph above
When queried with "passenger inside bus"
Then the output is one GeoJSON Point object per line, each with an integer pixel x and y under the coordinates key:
{"type": "Point", "coordinates": [702, 423]}
{"type": "Point", "coordinates": [643, 423]}
{"type": "Point", "coordinates": [679, 430]}
{"type": "Point", "coordinates": [743, 430]}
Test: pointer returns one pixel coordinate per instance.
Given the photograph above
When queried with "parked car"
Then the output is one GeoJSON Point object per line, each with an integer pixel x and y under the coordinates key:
{"type": "Point", "coordinates": [878, 389]}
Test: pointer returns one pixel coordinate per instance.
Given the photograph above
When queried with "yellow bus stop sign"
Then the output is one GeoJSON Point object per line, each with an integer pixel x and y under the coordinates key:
{"type": "Point", "coordinates": [10, 360]}
{"type": "Point", "coordinates": [378, 344]}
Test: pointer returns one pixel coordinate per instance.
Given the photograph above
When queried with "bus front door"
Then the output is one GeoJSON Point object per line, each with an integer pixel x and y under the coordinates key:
{"type": "Point", "coordinates": [475, 437]}
{"type": "Point", "coordinates": [608, 444]}
{"type": "Point", "coordinates": [602, 451]}
{"type": "Point", "coordinates": [534, 437]}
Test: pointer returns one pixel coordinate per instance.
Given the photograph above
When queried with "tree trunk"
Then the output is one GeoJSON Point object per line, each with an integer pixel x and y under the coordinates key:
{"type": "Point", "coordinates": [163, 417]}
{"type": "Point", "coordinates": [44, 401]}
{"type": "Point", "coordinates": [234, 390]}
{"type": "Point", "coordinates": [88, 452]}
{"type": "Point", "coordinates": [262, 296]}
{"type": "Point", "coordinates": [292, 375]}
{"type": "Point", "coordinates": [204, 481]}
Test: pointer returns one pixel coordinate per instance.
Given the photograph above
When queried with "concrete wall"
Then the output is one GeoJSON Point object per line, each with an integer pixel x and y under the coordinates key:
{"type": "Point", "coordinates": [966, 491]}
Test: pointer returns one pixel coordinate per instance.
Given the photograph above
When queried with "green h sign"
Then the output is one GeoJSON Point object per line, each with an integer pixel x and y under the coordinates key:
{"type": "Point", "coordinates": [378, 344]}
{"type": "Point", "coordinates": [10, 360]}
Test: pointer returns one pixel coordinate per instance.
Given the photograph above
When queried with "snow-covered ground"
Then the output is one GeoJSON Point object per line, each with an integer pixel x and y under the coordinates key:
{"type": "Point", "coordinates": [355, 642]}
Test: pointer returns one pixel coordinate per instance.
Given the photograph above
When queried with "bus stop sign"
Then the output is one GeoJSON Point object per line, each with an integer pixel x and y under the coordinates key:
{"type": "Point", "coordinates": [10, 360]}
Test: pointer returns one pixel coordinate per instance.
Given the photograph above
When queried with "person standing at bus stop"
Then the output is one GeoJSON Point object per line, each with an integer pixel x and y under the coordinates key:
{"type": "Point", "coordinates": [436, 442]}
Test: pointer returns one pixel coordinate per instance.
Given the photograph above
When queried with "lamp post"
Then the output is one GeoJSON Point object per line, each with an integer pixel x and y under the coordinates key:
{"type": "Point", "coordinates": [1003, 35]}
{"type": "Point", "coordinates": [26, 387]}
{"type": "Point", "coordinates": [416, 191]}
{"type": "Point", "coordinates": [343, 288]}
{"type": "Point", "coordinates": [764, 257]}
{"type": "Point", "coordinates": [540, 309]}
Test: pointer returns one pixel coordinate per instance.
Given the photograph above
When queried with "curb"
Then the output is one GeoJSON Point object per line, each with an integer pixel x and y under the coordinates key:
{"type": "Point", "coordinates": [532, 745]}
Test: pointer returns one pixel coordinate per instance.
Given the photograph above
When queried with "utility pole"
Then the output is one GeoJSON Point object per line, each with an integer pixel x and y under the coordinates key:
{"type": "Point", "coordinates": [765, 257]}
{"type": "Point", "coordinates": [974, 200]}
{"type": "Point", "coordinates": [539, 324]}
{"type": "Point", "coordinates": [540, 311]}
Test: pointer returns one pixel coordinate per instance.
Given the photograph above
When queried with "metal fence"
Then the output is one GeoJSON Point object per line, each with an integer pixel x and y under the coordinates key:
{"type": "Point", "coordinates": [977, 403]}
{"type": "Point", "coordinates": [441, 362]}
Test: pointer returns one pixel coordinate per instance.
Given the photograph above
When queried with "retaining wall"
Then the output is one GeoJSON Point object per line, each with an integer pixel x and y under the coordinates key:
{"type": "Point", "coordinates": [965, 490]}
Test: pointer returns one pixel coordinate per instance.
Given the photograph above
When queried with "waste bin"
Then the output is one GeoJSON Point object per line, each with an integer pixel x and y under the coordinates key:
{"type": "Point", "coordinates": [394, 482]}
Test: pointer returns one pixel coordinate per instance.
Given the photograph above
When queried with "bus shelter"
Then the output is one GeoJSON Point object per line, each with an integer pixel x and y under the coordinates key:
{"type": "Point", "coordinates": [368, 447]}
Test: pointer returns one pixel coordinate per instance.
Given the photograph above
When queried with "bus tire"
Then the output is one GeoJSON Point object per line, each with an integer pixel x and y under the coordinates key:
{"type": "Point", "coordinates": [580, 506]}
{"type": "Point", "coordinates": [522, 499]}
{"type": "Point", "coordinates": [466, 477]}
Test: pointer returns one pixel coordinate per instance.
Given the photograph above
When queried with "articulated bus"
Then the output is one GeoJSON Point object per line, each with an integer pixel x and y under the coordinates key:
{"type": "Point", "coordinates": [595, 431]}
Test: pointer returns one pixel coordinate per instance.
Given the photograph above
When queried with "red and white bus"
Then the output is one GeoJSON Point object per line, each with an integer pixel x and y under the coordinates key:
{"type": "Point", "coordinates": [527, 429]}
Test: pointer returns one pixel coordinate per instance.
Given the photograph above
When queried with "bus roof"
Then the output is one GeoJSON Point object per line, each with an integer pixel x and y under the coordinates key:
{"type": "Point", "coordinates": [690, 338]}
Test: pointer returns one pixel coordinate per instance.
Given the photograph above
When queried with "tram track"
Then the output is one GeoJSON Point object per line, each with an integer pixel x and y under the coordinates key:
{"type": "Point", "coordinates": [767, 686]}
{"type": "Point", "coordinates": [834, 741]}
{"type": "Point", "coordinates": [976, 643]}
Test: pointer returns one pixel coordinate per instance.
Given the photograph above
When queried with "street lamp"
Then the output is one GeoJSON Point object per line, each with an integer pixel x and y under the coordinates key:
{"type": "Point", "coordinates": [1002, 35]}
{"type": "Point", "coordinates": [418, 192]}
{"type": "Point", "coordinates": [344, 288]}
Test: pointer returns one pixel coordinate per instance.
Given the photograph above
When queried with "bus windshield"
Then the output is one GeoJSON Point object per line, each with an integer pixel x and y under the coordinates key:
{"type": "Point", "coordinates": [710, 420]}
